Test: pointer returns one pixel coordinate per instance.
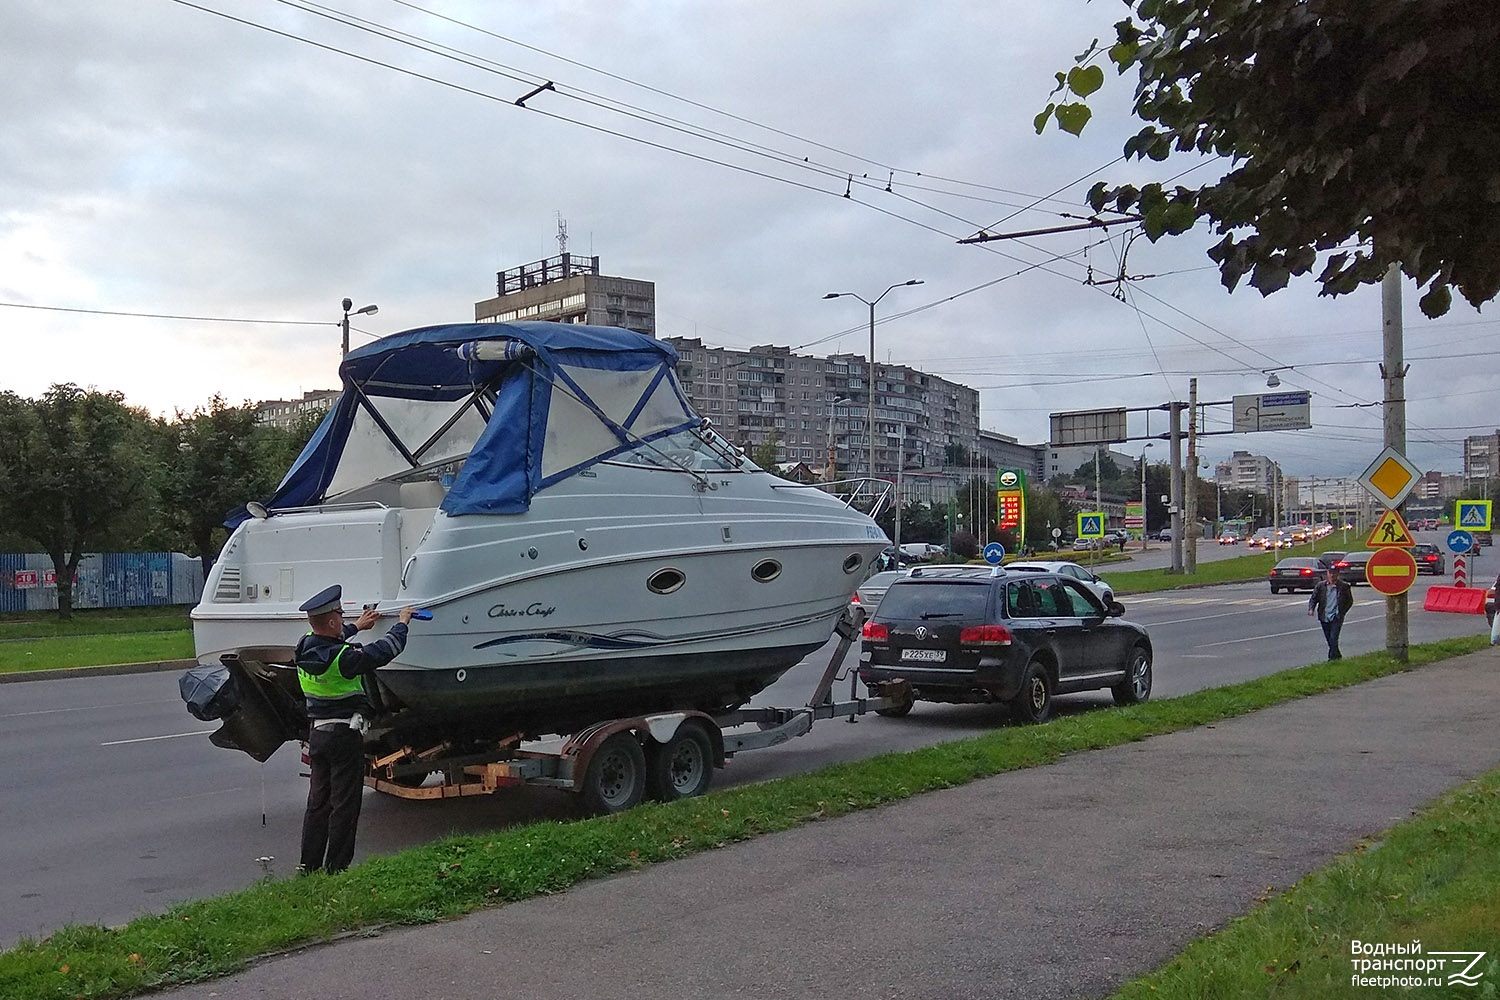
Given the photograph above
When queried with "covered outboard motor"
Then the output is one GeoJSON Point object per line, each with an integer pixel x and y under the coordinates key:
{"type": "Point", "coordinates": [210, 692]}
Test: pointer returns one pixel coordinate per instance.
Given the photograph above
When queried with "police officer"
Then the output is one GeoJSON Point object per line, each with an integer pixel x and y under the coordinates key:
{"type": "Point", "coordinates": [333, 672]}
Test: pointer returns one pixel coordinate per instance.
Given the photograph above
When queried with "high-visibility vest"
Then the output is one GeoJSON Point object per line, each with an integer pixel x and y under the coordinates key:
{"type": "Point", "coordinates": [331, 684]}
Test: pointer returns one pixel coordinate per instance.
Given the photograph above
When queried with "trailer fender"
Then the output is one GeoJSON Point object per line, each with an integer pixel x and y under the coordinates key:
{"type": "Point", "coordinates": [580, 748]}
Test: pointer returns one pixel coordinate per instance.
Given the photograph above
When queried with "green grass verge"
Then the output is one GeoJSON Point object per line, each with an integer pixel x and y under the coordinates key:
{"type": "Point", "coordinates": [458, 875]}
{"type": "Point", "coordinates": [93, 650]}
{"type": "Point", "coordinates": [1253, 567]}
{"type": "Point", "coordinates": [1431, 879]}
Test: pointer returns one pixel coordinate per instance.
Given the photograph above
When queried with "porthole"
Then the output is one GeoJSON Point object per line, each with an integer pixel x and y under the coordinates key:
{"type": "Point", "coordinates": [766, 570]}
{"type": "Point", "coordinates": [665, 581]}
{"type": "Point", "coordinates": [853, 562]}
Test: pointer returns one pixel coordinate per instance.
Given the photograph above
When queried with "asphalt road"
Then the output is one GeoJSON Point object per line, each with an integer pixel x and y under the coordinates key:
{"type": "Point", "coordinates": [117, 805]}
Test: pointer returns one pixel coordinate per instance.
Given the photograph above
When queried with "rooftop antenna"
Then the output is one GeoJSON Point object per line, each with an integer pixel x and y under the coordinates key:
{"type": "Point", "coordinates": [562, 234]}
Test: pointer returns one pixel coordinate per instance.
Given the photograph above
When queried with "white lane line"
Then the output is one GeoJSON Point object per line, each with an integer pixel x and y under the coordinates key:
{"type": "Point", "coordinates": [148, 739]}
{"type": "Point", "coordinates": [1278, 635]}
{"type": "Point", "coordinates": [84, 708]}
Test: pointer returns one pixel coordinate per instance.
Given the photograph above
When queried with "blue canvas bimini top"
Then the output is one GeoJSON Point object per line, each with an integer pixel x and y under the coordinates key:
{"type": "Point", "coordinates": [520, 405]}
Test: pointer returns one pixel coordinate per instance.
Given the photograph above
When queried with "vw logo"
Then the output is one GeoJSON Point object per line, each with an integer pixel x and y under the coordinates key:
{"type": "Point", "coordinates": [921, 632]}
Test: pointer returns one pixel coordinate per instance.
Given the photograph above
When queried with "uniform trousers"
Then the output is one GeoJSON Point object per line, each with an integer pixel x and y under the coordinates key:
{"type": "Point", "coordinates": [336, 755]}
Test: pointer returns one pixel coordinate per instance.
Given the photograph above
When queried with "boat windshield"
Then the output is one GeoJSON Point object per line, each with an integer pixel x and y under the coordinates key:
{"type": "Point", "coordinates": [695, 449]}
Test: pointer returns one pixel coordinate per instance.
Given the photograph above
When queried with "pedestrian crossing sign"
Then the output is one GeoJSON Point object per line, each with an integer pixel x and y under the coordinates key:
{"type": "Point", "coordinates": [1473, 515]}
{"type": "Point", "coordinates": [1091, 525]}
{"type": "Point", "coordinates": [1389, 531]}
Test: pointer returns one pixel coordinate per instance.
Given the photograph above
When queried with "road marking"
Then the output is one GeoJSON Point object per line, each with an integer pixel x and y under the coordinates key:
{"type": "Point", "coordinates": [148, 739]}
{"type": "Point", "coordinates": [84, 708]}
{"type": "Point", "coordinates": [1278, 635]}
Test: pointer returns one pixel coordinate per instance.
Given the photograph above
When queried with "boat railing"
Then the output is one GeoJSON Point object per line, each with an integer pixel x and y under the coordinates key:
{"type": "Point", "coordinates": [868, 496]}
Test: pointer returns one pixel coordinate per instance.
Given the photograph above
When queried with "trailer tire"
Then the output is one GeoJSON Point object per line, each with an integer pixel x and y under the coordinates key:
{"type": "Point", "coordinates": [682, 767]}
{"type": "Point", "coordinates": [616, 776]}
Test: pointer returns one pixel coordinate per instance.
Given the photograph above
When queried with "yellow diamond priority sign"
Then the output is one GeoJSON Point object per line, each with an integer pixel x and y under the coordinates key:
{"type": "Point", "coordinates": [1390, 478]}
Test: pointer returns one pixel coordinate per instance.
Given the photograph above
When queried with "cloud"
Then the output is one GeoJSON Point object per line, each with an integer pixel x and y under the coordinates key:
{"type": "Point", "coordinates": [161, 159]}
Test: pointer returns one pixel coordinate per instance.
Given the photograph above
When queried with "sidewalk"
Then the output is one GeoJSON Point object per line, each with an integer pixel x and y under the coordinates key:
{"type": "Point", "coordinates": [1060, 881]}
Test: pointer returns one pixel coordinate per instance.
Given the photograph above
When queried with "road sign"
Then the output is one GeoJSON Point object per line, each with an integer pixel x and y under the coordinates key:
{"type": "Point", "coordinates": [1088, 427]}
{"type": "Point", "coordinates": [1391, 571]}
{"type": "Point", "coordinates": [1272, 411]}
{"type": "Point", "coordinates": [1390, 478]}
{"type": "Point", "coordinates": [993, 553]}
{"type": "Point", "coordinates": [1091, 525]}
{"type": "Point", "coordinates": [1460, 541]}
{"type": "Point", "coordinates": [1474, 515]}
{"type": "Point", "coordinates": [1389, 530]}
{"type": "Point", "coordinates": [1460, 571]}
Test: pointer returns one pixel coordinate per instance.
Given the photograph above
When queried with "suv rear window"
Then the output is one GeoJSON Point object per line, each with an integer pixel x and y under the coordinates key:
{"type": "Point", "coordinates": [946, 599]}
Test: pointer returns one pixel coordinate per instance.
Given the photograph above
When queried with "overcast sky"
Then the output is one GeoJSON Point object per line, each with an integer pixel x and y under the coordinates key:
{"type": "Point", "coordinates": [159, 158]}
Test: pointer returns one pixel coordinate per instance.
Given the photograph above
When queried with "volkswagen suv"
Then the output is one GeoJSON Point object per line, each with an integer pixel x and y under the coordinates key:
{"type": "Point", "coordinates": [995, 636]}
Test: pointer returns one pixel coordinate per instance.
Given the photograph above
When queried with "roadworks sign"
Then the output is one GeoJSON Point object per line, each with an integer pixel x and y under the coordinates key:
{"type": "Point", "coordinates": [1390, 531]}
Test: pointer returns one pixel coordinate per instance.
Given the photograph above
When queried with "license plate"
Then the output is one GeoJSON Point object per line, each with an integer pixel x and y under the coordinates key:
{"type": "Point", "coordinates": [927, 655]}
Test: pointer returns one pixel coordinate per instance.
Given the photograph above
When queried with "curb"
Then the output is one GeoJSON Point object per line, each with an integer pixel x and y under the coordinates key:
{"type": "Point", "coordinates": [152, 666]}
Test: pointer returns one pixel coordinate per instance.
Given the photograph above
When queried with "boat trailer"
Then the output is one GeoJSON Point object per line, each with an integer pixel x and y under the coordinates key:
{"type": "Point", "coordinates": [615, 764]}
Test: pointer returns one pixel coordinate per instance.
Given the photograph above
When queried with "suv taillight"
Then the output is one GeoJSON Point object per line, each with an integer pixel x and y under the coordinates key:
{"type": "Point", "coordinates": [985, 635]}
{"type": "Point", "coordinates": [876, 631]}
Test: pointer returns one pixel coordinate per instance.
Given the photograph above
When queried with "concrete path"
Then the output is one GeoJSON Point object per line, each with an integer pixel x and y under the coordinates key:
{"type": "Point", "coordinates": [1060, 881]}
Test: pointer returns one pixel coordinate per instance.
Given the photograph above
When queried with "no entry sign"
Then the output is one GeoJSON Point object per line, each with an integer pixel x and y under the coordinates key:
{"type": "Point", "coordinates": [1391, 571]}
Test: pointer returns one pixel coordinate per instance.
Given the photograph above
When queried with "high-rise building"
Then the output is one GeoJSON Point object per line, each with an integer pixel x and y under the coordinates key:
{"type": "Point", "coordinates": [288, 413]}
{"type": "Point", "coordinates": [1482, 457]}
{"type": "Point", "coordinates": [569, 289]}
{"type": "Point", "coordinates": [810, 406]}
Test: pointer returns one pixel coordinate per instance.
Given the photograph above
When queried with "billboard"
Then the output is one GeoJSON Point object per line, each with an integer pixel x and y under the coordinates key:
{"type": "Point", "coordinates": [1088, 427]}
{"type": "Point", "coordinates": [1273, 411]}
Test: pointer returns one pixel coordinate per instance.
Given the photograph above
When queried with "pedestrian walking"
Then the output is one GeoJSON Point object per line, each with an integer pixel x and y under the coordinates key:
{"type": "Point", "coordinates": [1330, 602]}
{"type": "Point", "coordinates": [333, 672]}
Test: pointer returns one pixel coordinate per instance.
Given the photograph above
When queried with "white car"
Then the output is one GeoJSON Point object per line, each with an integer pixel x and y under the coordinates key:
{"type": "Point", "coordinates": [1105, 591]}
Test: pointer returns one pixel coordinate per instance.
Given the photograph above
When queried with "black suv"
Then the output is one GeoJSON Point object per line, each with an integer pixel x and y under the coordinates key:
{"type": "Point", "coordinates": [992, 636]}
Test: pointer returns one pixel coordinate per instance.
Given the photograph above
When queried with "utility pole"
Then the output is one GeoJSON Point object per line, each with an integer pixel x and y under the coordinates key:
{"type": "Point", "coordinates": [1393, 374]}
{"type": "Point", "coordinates": [1190, 516]}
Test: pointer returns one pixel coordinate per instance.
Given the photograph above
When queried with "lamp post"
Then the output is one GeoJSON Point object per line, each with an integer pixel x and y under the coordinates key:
{"type": "Point", "coordinates": [1144, 545]}
{"type": "Point", "coordinates": [828, 469]}
{"type": "Point", "coordinates": [870, 419]}
{"type": "Point", "coordinates": [369, 310]}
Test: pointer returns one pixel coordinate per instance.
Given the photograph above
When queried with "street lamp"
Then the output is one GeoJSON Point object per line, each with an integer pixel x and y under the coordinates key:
{"type": "Point", "coordinates": [370, 310]}
{"type": "Point", "coordinates": [828, 472]}
{"type": "Point", "coordinates": [870, 419]}
{"type": "Point", "coordinates": [1144, 546]}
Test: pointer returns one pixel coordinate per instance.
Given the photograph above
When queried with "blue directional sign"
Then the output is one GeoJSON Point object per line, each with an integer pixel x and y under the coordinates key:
{"type": "Point", "coordinates": [1460, 542]}
{"type": "Point", "coordinates": [993, 553]}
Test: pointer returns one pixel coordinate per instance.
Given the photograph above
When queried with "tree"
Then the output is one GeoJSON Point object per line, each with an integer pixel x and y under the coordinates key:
{"type": "Point", "coordinates": [1347, 122]}
{"type": "Point", "coordinates": [215, 461]}
{"type": "Point", "coordinates": [765, 453]}
{"type": "Point", "coordinates": [74, 466]}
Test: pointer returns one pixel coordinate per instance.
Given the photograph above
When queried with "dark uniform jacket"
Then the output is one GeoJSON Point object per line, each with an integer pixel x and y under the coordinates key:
{"type": "Point", "coordinates": [316, 654]}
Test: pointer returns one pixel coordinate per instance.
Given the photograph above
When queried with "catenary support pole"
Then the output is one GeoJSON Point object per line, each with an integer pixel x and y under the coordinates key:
{"type": "Point", "coordinates": [1190, 502]}
{"type": "Point", "coordinates": [1393, 374]}
{"type": "Point", "coordinates": [1174, 497]}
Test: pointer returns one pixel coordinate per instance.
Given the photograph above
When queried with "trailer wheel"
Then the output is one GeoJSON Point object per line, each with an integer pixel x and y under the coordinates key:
{"type": "Point", "coordinates": [681, 767]}
{"type": "Point", "coordinates": [616, 776]}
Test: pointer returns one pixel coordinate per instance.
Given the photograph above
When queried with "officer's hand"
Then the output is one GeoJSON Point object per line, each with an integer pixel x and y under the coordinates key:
{"type": "Point", "coordinates": [405, 615]}
{"type": "Point", "coordinates": [367, 619]}
{"type": "Point", "coordinates": [1309, 611]}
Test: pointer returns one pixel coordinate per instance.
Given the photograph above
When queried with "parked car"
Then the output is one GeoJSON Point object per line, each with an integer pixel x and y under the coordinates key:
{"type": "Point", "coordinates": [1429, 558]}
{"type": "Point", "coordinates": [1352, 567]}
{"type": "Point", "coordinates": [1296, 573]}
{"type": "Point", "coordinates": [872, 590]}
{"type": "Point", "coordinates": [1013, 637]}
{"type": "Point", "coordinates": [922, 551]}
{"type": "Point", "coordinates": [1069, 569]}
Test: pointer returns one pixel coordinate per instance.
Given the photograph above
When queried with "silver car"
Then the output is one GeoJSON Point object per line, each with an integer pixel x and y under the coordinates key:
{"type": "Point", "coordinates": [1069, 569]}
